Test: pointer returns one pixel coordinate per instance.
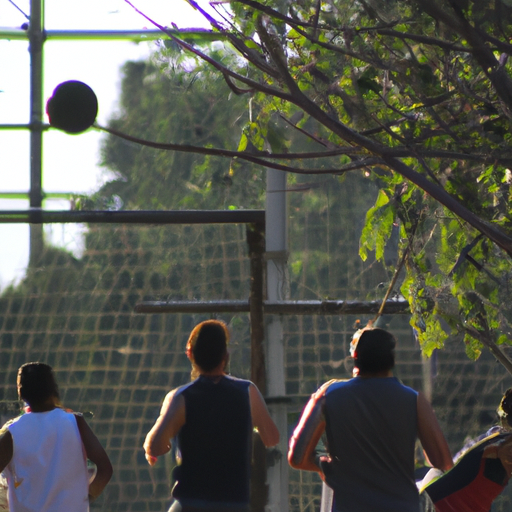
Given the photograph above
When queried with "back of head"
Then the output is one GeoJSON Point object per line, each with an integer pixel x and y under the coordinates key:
{"type": "Point", "coordinates": [36, 383]}
{"type": "Point", "coordinates": [375, 351]}
{"type": "Point", "coordinates": [505, 409]}
{"type": "Point", "coordinates": [208, 344]}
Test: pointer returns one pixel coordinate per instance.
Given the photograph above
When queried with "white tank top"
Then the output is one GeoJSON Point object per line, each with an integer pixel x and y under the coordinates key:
{"type": "Point", "coordinates": [48, 470]}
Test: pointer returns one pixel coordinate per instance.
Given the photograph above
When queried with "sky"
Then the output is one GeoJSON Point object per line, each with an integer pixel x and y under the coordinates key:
{"type": "Point", "coordinates": [70, 162]}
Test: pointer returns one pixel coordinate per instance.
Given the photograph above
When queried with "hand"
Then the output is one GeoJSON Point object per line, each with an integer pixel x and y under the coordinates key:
{"type": "Point", "coordinates": [151, 460]}
{"type": "Point", "coordinates": [322, 461]}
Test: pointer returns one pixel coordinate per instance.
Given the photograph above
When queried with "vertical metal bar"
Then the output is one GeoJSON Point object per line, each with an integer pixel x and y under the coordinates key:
{"type": "Point", "coordinates": [36, 39]}
{"type": "Point", "coordinates": [277, 290]}
{"type": "Point", "coordinates": [256, 243]}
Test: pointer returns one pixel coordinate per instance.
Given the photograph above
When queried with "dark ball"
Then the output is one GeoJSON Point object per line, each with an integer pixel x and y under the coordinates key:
{"type": "Point", "coordinates": [73, 107]}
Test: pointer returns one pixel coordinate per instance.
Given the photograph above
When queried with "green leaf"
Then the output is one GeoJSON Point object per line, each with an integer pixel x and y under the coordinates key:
{"type": "Point", "coordinates": [378, 226]}
{"type": "Point", "coordinates": [242, 146]}
{"type": "Point", "coordinates": [503, 340]}
{"type": "Point", "coordinates": [473, 347]}
{"type": "Point", "coordinates": [432, 337]}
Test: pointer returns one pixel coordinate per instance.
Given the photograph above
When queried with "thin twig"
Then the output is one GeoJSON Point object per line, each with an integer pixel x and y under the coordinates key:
{"type": "Point", "coordinates": [393, 281]}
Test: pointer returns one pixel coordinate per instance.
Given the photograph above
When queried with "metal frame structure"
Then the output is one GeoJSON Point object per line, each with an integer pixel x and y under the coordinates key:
{"type": "Point", "coordinates": [36, 34]}
{"type": "Point", "coordinates": [266, 245]}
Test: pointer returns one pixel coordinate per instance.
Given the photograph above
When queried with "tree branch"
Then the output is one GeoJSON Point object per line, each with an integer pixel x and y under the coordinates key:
{"type": "Point", "coordinates": [249, 53]}
{"type": "Point", "coordinates": [241, 155]}
{"type": "Point", "coordinates": [440, 195]}
{"type": "Point", "coordinates": [258, 86]}
{"type": "Point", "coordinates": [388, 155]}
{"type": "Point", "coordinates": [484, 55]}
{"type": "Point", "coordinates": [486, 340]}
{"type": "Point", "coordinates": [427, 40]}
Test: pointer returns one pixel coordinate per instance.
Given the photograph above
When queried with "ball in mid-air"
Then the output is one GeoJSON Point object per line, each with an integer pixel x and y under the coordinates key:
{"type": "Point", "coordinates": [73, 107]}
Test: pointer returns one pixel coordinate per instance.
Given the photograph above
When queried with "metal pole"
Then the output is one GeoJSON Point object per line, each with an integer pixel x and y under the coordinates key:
{"type": "Point", "coordinates": [277, 290]}
{"type": "Point", "coordinates": [36, 38]}
{"type": "Point", "coordinates": [38, 216]}
{"type": "Point", "coordinates": [14, 34]}
{"type": "Point", "coordinates": [283, 307]}
{"type": "Point", "coordinates": [256, 243]}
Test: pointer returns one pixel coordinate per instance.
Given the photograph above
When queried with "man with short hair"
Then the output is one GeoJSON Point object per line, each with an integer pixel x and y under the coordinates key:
{"type": "Point", "coordinates": [371, 423]}
{"type": "Point", "coordinates": [212, 418]}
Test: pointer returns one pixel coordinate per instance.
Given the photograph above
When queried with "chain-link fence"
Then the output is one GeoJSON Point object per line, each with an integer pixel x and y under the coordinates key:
{"type": "Point", "coordinates": [77, 314]}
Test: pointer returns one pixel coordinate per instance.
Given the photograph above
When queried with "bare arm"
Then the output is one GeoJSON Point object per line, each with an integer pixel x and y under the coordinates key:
{"type": "Point", "coordinates": [95, 453]}
{"type": "Point", "coordinates": [167, 426]}
{"type": "Point", "coordinates": [261, 418]}
{"type": "Point", "coordinates": [501, 450]}
{"type": "Point", "coordinates": [431, 436]}
{"type": "Point", "coordinates": [6, 449]}
{"type": "Point", "coordinates": [306, 435]}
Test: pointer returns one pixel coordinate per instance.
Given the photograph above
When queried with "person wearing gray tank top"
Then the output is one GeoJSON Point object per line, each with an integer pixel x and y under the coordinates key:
{"type": "Point", "coordinates": [371, 423]}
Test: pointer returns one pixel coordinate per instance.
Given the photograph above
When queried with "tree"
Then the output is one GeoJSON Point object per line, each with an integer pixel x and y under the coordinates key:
{"type": "Point", "coordinates": [166, 99]}
{"type": "Point", "coordinates": [417, 95]}
{"type": "Point", "coordinates": [77, 313]}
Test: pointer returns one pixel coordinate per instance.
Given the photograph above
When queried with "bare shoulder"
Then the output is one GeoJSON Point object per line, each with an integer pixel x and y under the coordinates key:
{"type": "Point", "coordinates": [324, 387]}
{"type": "Point", "coordinates": [256, 400]}
{"type": "Point", "coordinates": [254, 392]}
{"type": "Point", "coordinates": [172, 395]}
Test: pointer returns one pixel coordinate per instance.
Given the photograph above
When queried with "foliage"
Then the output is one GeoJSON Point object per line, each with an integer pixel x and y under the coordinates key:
{"type": "Point", "coordinates": [167, 99]}
{"type": "Point", "coordinates": [172, 91]}
{"type": "Point", "coordinates": [417, 95]}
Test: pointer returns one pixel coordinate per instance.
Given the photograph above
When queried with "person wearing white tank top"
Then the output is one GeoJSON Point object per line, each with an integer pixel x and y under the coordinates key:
{"type": "Point", "coordinates": [44, 452]}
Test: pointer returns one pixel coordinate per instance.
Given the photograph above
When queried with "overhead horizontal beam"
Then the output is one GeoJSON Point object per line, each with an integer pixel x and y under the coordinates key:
{"type": "Point", "coordinates": [15, 34]}
{"type": "Point", "coordinates": [37, 216]}
{"type": "Point", "coordinates": [299, 307]}
{"type": "Point", "coordinates": [47, 195]}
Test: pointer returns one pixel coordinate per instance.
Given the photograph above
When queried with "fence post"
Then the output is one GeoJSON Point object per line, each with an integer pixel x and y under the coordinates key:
{"type": "Point", "coordinates": [256, 243]}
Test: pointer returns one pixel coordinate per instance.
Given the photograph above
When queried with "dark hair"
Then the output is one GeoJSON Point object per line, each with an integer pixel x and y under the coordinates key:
{"type": "Point", "coordinates": [208, 344]}
{"type": "Point", "coordinates": [375, 351]}
{"type": "Point", "coordinates": [36, 383]}
{"type": "Point", "coordinates": [505, 408]}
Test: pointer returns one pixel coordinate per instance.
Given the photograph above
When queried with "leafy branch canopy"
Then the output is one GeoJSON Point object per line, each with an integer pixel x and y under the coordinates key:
{"type": "Point", "coordinates": [416, 94]}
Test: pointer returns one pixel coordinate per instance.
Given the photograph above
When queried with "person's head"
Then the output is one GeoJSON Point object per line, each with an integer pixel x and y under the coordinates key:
{"type": "Point", "coordinates": [36, 384]}
{"type": "Point", "coordinates": [505, 410]}
{"type": "Point", "coordinates": [207, 345]}
{"type": "Point", "coordinates": [373, 350]}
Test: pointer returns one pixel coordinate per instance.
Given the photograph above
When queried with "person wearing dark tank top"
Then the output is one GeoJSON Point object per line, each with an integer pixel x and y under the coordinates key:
{"type": "Point", "coordinates": [371, 424]}
{"type": "Point", "coordinates": [211, 420]}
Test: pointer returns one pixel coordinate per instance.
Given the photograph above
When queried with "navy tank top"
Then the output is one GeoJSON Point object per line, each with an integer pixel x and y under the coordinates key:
{"type": "Point", "coordinates": [215, 443]}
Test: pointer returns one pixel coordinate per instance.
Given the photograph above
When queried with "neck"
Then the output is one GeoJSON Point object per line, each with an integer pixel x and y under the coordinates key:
{"type": "Point", "coordinates": [213, 373]}
{"type": "Point", "coordinates": [216, 372]}
{"type": "Point", "coordinates": [48, 405]}
{"type": "Point", "coordinates": [42, 408]}
{"type": "Point", "coordinates": [382, 374]}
